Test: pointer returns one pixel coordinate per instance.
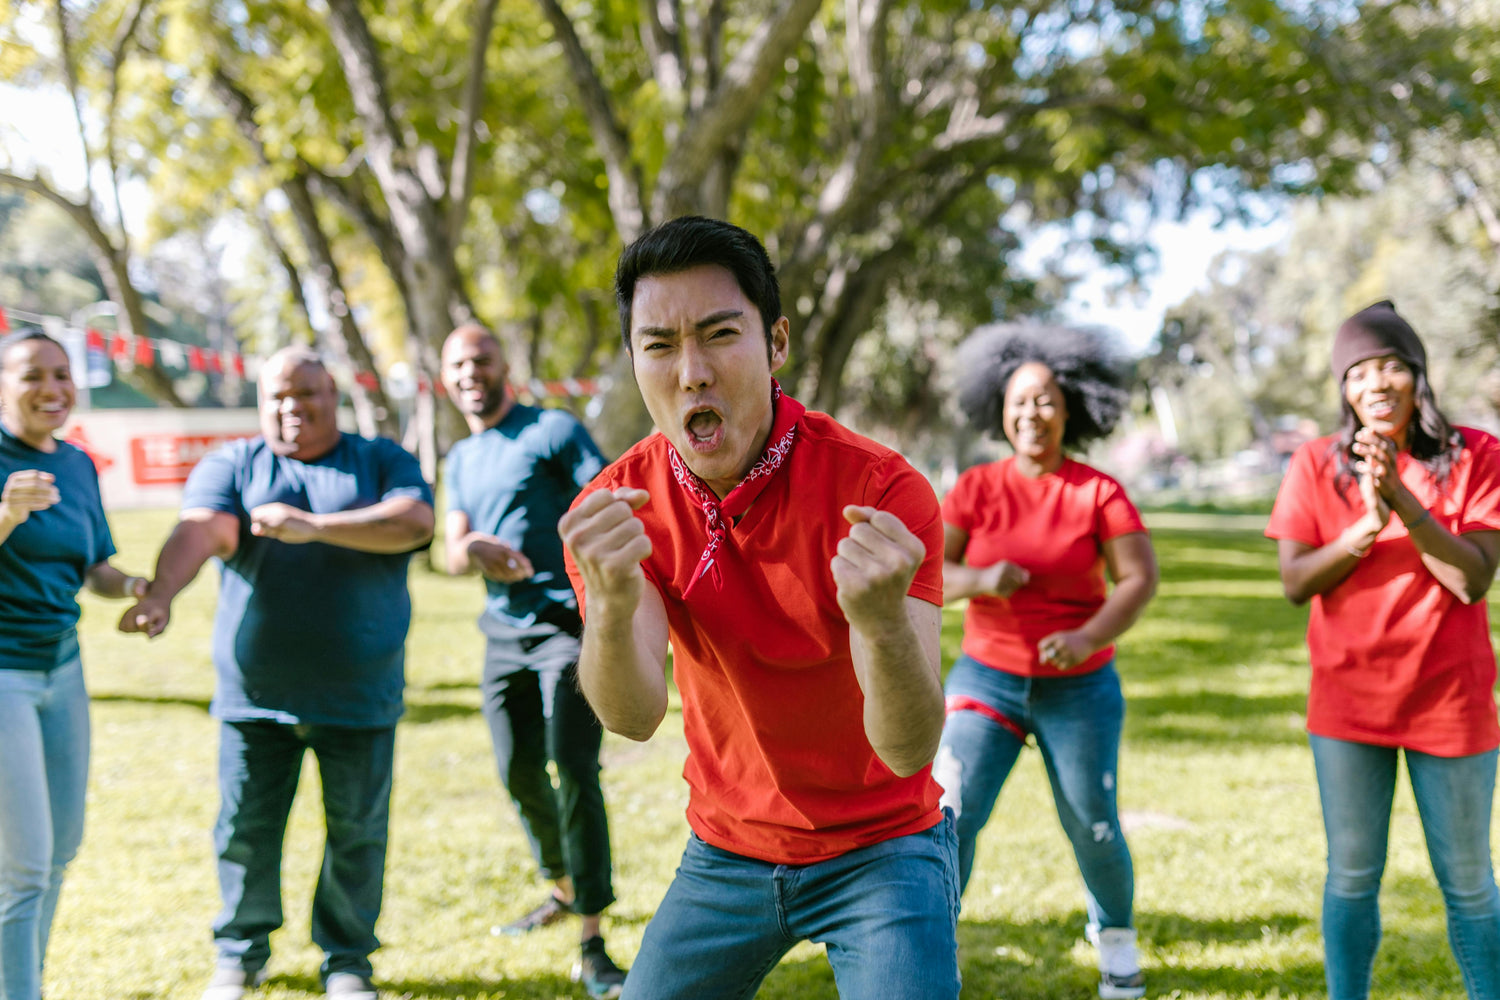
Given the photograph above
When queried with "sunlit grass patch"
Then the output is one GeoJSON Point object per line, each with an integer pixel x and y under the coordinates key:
{"type": "Point", "coordinates": [1216, 784]}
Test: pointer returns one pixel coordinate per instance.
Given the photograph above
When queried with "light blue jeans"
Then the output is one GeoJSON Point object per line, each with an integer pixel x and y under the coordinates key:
{"type": "Point", "coordinates": [888, 914]}
{"type": "Point", "coordinates": [44, 767]}
{"type": "Point", "coordinates": [1356, 782]}
{"type": "Point", "coordinates": [1077, 721]}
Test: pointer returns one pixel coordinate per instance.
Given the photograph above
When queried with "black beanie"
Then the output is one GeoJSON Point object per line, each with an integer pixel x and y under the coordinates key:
{"type": "Point", "coordinates": [1374, 331]}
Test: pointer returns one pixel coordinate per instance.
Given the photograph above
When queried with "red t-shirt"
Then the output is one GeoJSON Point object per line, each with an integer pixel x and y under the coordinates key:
{"type": "Point", "coordinates": [779, 767]}
{"type": "Point", "coordinates": [1054, 527]}
{"type": "Point", "coordinates": [1397, 659]}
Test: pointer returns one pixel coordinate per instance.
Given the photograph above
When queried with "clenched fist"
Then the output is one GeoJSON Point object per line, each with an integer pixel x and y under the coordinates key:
{"type": "Point", "coordinates": [609, 543]}
{"type": "Point", "coordinates": [874, 567]}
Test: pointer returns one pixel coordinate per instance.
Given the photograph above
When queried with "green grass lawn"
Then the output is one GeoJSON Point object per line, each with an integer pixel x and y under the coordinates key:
{"type": "Point", "coordinates": [1217, 784]}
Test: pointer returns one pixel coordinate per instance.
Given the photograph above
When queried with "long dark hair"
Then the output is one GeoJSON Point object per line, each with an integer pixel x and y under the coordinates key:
{"type": "Point", "coordinates": [1431, 439]}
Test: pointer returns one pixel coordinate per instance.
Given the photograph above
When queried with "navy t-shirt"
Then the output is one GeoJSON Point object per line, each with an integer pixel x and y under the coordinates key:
{"type": "Point", "coordinates": [515, 481]}
{"type": "Point", "coordinates": [310, 633]}
{"type": "Point", "coordinates": [43, 562]}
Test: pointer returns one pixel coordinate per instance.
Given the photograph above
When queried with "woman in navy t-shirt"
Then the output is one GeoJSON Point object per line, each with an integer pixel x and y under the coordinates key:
{"type": "Point", "coordinates": [53, 540]}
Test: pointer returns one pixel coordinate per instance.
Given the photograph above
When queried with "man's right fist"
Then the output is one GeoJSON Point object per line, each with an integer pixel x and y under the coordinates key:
{"type": "Point", "coordinates": [608, 543]}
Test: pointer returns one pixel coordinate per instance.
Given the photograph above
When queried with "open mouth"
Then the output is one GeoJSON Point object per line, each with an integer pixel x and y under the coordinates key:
{"type": "Point", "coordinates": [1380, 409]}
{"type": "Point", "coordinates": [705, 430]}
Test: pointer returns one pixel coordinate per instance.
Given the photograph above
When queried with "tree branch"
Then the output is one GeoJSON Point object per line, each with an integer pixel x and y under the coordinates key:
{"type": "Point", "coordinates": [461, 177]}
{"type": "Point", "coordinates": [626, 189]}
{"type": "Point", "coordinates": [731, 105]}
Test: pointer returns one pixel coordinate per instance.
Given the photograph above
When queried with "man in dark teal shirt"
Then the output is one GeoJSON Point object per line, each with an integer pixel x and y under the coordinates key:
{"type": "Point", "coordinates": [314, 529]}
{"type": "Point", "coordinates": [507, 485]}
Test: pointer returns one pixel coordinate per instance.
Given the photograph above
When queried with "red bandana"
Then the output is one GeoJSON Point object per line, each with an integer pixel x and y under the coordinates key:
{"type": "Point", "coordinates": [718, 514]}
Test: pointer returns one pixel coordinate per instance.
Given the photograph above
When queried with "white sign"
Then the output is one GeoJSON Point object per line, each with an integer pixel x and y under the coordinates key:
{"type": "Point", "coordinates": [144, 456]}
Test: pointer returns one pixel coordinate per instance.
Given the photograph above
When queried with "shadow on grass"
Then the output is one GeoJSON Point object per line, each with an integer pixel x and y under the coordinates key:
{"type": "Point", "coordinates": [201, 704]}
{"type": "Point", "coordinates": [420, 713]}
{"type": "Point", "coordinates": [1215, 717]}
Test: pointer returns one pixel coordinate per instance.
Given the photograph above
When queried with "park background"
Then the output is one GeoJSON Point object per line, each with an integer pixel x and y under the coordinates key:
{"type": "Point", "coordinates": [200, 181]}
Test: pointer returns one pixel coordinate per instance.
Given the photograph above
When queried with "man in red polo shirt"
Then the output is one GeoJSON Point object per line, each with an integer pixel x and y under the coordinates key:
{"type": "Point", "coordinates": [797, 569]}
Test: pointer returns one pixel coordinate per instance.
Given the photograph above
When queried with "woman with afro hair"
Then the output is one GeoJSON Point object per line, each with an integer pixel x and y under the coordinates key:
{"type": "Point", "coordinates": [1030, 540]}
{"type": "Point", "coordinates": [1390, 527]}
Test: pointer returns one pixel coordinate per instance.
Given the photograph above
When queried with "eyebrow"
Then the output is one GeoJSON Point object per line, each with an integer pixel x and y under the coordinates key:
{"type": "Point", "coordinates": [712, 319]}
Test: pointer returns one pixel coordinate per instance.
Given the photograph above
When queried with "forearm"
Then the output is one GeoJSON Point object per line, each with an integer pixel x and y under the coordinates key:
{"type": "Point", "coordinates": [622, 677]}
{"type": "Point", "coordinates": [1119, 611]}
{"type": "Point", "coordinates": [1317, 571]}
{"type": "Point", "coordinates": [898, 673]}
{"type": "Point", "coordinates": [1457, 563]}
{"type": "Point", "coordinates": [8, 523]}
{"type": "Point", "coordinates": [391, 526]}
{"type": "Point", "coordinates": [183, 555]}
{"type": "Point", "coordinates": [961, 580]}
{"type": "Point", "coordinates": [456, 551]}
{"type": "Point", "coordinates": [106, 581]}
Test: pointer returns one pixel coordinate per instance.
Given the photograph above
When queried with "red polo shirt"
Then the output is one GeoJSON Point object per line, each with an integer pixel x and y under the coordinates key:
{"type": "Point", "coordinates": [779, 767]}
{"type": "Point", "coordinates": [1397, 659]}
{"type": "Point", "coordinates": [1053, 526]}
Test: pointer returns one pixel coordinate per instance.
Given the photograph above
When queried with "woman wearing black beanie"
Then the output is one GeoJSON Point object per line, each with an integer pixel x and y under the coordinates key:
{"type": "Point", "coordinates": [1399, 643]}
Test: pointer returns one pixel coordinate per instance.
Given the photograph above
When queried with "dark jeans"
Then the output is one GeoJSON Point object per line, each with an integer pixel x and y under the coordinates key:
{"type": "Point", "coordinates": [537, 715]}
{"type": "Point", "coordinates": [259, 764]}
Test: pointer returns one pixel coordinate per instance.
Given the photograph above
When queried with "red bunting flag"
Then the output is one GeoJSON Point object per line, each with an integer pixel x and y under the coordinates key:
{"type": "Point", "coordinates": [237, 365]}
{"type": "Point", "coordinates": [145, 357]}
{"type": "Point", "coordinates": [214, 364]}
{"type": "Point", "coordinates": [4, 322]}
{"type": "Point", "coordinates": [93, 339]}
{"type": "Point", "coordinates": [119, 348]}
{"type": "Point", "coordinates": [195, 359]}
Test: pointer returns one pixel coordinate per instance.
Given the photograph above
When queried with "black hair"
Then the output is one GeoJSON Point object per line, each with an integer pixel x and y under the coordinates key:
{"type": "Point", "coordinates": [21, 336]}
{"type": "Point", "coordinates": [1430, 439]}
{"type": "Point", "coordinates": [1080, 359]}
{"type": "Point", "coordinates": [692, 241]}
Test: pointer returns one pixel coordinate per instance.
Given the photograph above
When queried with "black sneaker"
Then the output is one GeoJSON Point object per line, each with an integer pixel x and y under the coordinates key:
{"type": "Point", "coordinates": [545, 915]}
{"type": "Point", "coordinates": [598, 974]}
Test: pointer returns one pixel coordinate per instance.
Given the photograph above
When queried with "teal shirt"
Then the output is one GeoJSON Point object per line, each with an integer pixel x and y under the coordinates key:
{"type": "Point", "coordinates": [43, 562]}
{"type": "Point", "coordinates": [515, 481]}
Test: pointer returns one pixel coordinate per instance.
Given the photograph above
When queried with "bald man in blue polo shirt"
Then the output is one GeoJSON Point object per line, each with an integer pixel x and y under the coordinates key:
{"type": "Point", "coordinates": [313, 529]}
{"type": "Point", "coordinates": [507, 485]}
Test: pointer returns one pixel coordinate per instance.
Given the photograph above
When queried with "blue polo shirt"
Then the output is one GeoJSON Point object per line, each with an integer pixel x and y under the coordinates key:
{"type": "Point", "coordinates": [515, 481]}
{"type": "Point", "coordinates": [43, 562]}
{"type": "Point", "coordinates": [309, 633]}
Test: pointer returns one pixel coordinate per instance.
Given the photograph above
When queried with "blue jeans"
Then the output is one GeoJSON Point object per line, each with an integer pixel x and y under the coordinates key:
{"type": "Point", "coordinates": [537, 715]}
{"type": "Point", "coordinates": [259, 764]}
{"type": "Point", "coordinates": [44, 767]}
{"type": "Point", "coordinates": [888, 914]}
{"type": "Point", "coordinates": [1356, 782]}
{"type": "Point", "coordinates": [1077, 720]}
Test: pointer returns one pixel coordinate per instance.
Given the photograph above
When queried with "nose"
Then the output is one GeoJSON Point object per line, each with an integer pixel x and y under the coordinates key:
{"type": "Point", "coordinates": [694, 369]}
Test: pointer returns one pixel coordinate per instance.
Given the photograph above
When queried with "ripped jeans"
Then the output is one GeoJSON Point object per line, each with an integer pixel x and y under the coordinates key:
{"type": "Point", "coordinates": [1076, 721]}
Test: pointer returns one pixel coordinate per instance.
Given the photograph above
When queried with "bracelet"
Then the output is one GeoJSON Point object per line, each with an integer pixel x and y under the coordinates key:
{"type": "Point", "coordinates": [1426, 516]}
{"type": "Point", "coordinates": [1356, 553]}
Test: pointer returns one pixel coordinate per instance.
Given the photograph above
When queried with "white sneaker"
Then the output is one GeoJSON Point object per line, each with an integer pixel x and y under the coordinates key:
{"type": "Point", "coordinates": [1120, 976]}
{"type": "Point", "coordinates": [230, 982]}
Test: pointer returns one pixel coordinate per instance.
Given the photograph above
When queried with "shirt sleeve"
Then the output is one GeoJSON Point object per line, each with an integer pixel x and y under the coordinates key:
{"type": "Point", "coordinates": [579, 455]}
{"type": "Point", "coordinates": [1481, 506]}
{"type": "Point", "coordinates": [104, 541]}
{"type": "Point", "coordinates": [958, 505]}
{"type": "Point", "coordinates": [453, 485]}
{"type": "Point", "coordinates": [899, 489]}
{"type": "Point", "coordinates": [1117, 515]}
{"type": "Point", "coordinates": [401, 474]}
{"type": "Point", "coordinates": [214, 482]}
{"type": "Point", "coordinates": [1294, 515]}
